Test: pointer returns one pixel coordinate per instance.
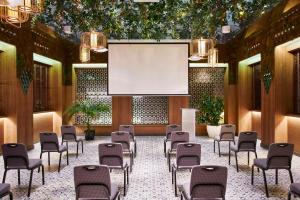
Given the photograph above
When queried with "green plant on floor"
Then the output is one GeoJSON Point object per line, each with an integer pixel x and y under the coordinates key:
{"type": "Point", "coordinates": [210, 110]}
{"type": "Point", "coordinates": [90, 109]}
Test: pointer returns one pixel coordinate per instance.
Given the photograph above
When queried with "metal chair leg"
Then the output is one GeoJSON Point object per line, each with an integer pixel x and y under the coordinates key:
{"type": "Point", "coordinates": [219, 149]}
{"type": "Point", "coordinates": [30, 182]}
{"type": "Point", "coordinates": [256, 158]}
{"type": "Point", "coordinates": [41, 154]}
{"type": "Point", "coordinates": [248, 158]}
{"type": "Point", "coordinates": [19, 177]}
{"type": "Point", "coordinates": [276, 176]}
{"type": "Point", "coordinates": [127, 170]}
{"type": "Point", "coordinates": [4, 176]}
{"type": "Point", "coordinates": [67, 156]}
{"type": "Point", "coordinates": [214, 146]}
{"type": "Point", "coordinates": [236, 162]}
{"type": "Point", "coordinates": [169, 161]}
{"type": "Point", "coordinates": [59, 162]}
{"type": "Point", "coordinates": [11, 196]}
{"type": "Point", "coordinates": [48, 158]}
{"type": "Point", "coordinates": [77, 149]}
{"type": "Point", "coordinates": [165, 147]}
{"type": "Point", "coordinates": [172, 172]}
{"type": "Point", "coordinates": [43, 174]}
{"type": "Point", "coordinates": [124, 182]}
{"type": "Point", "coordinates": [252, 175]}
{"type": "Point", "coordinates": [135, 148]}
{"type": "Point", "coordinates": [81, 146]}
{"type": "Point", "coordinates": [291, 176]}
{"type": "Point", "coordinates": [266, 184]}
{"type": "Point", "coordinates": [175, 182]}
{"type": "Point", "coordinates": [229, 152]}
{"type": "Point", "coordinates": [289, 196]}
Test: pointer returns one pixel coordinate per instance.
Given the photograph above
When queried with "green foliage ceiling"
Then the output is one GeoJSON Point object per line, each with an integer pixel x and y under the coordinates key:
{"type": "Point", "coordinates": [168, 19]}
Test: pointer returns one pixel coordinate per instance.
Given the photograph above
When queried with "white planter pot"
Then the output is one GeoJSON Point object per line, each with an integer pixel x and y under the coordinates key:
{"type": "Point", "coordinates": [213, 131]}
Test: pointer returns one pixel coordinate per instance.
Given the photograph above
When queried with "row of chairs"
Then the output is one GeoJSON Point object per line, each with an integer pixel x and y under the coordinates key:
{"type": "Point", "coordinates": [279, 154]}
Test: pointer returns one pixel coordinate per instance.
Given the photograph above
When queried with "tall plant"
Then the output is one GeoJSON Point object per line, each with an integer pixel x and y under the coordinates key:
{"type": "Point", "coordinates": [210, 108]}
{"type": "Point", "coordinates": [90, 109]}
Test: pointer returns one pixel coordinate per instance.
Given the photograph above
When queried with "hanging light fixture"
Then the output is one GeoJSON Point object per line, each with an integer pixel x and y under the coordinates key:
{"type": "Point", "coordinates": [200, 48]}
{"type": "Point", "coordinates": [13, 16]}
{"type": "Point", "coordinates": [213, 57]}
{"type": "Point", "coordinates": [96, 41]}
{"type": "Point", "coordinates": [84, 54]}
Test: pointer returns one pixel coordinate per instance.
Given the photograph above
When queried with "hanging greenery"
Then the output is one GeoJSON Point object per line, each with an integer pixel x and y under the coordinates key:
{"type": "Point", "coordinates": [168, 19]}
{"type": "Point", "coordinates": [267, 79]}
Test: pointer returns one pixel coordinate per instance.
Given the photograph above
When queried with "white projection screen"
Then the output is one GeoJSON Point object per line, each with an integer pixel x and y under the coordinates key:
{"type": "Point", "coordinates": [148, 68]}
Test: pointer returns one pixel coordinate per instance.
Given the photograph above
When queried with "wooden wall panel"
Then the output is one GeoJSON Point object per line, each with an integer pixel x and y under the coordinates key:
{"type": "Point", "coordinates": [175, 105]}
{"type": "Point", "coordinates": [122, 111]}
{"type": "Point", "coordinates": [256, 122]}
{"type": "Point", "coordinates": [42, 122]}
{"type": "Point", "coordinates": [293, 128]}
{"type": "Point", "coordinates": [1, 131]}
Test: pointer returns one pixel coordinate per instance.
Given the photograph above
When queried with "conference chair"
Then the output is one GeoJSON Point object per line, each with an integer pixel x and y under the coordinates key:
{"type": "Point", "coordinates": [93, 182]}
{"type": "Point", "coordinates": [123, 138]}
{"type": "Point", "coordinates": [188, 155]}
{"type": "Point", "coordinates": [5, 191]}
{"type": "Point", "coordinates": [279, 157]}
{"type": "Point", "coordinates": [176, 138]}
{"type": "Point", "coordinates": [294, 190]}
{"type": "Point", "coordinates": [207, 182]}
{"type": "Point", "coordinates": [16, 158]}
{"type": "Point", "coordinates": [227, 135]}
{"type": "Point", "coordinates": [246, 143]}
{"type": "Point", "coordinates": [130, 130]}
{"type": "Point", "coordinates": [69, 135]}
{"type": "Point", "coordinates": [169, 129]}
{"type": "Point", "coordinates": [49, 143]}
{"type": "Point", "coordinates": [111, 155]}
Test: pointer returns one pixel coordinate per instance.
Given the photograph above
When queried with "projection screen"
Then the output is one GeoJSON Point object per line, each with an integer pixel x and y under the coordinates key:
{"type": "Point", "coordinates": [148, 68]}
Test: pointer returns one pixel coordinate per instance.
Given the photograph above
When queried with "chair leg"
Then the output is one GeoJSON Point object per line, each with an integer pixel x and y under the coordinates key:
{"type": "Point", "coordinates": [266, 184]}
{"type": "Point", "coordinates": [4, 176]}
{"type": "Point", "coordinates": [172, 172]}
{"type": "Point", "coordinates": [41, 154]}
{"type": "Point", "coordinates": [276, 176]}
{"type": "Point", "coordinates": [291, 176]}
{"type": "Point", "coordinates": [132, 155]}
{"type": "Point", "coordinates": [219, 148]}
{"type": "Point", "coordinates": [256, 158]}
{"type": "Point", "coordinates": [67, 156]}
{"type": "Point", "coordinates": [124, 182]}
{"type": "Point", "coordinates": [165, 147]}
{"type": "Point", "coordinates": [48, 158]}
{"type": "Point", "coordinates": [229, 152]}
{"type": "Point", "coordinates": [81, 146]}
{"type": "Point", "coordinates": [30, 182]}
{"type": "Point", "coordinates": [11, 196]}
{"type": "Point", "coordinates": [289, 196]}
{"type": "Point", "coordinates": [236, 162]}
{"type": "Point", "coordinates": [130, 162]}
{"type": "Point", "coordinates": [43, 174]}
{"type": "Point", "coordinates": [59, 162]}
{"type": "Point", "coordinates": [169, 161]}
{"type": "Point", "coordinates": [127, 170]}
{"type": "Point", "coordinates": [175, 182]}
{"type": "Point", "coordinates": [77, 149]}
{"type": "Point", "coordinates": [19, 177]}
{"type": "Point", "coordinates": [248, 158]}
{"type": "Point", "coordinates": [214, 146]}
{"type": "Point", "coordinates": [135, 148]}
{"type": "Point", "coordinates": [252, 175]}
{"type": "Point", "coordinates": [181, 196]}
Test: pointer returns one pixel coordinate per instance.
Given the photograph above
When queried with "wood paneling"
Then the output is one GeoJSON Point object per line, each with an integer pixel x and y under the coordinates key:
{"type": "Point", "coordinates": [42, 122]}
{"type": "Point", "coordinates": [175, 105]}
{"type": "Point", "coordinates": [293, 128]}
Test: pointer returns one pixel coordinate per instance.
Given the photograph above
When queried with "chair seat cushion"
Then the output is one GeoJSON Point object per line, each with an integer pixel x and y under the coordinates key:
{"type": "Point", "coordinates": [4, 188]}
{"type": "Point", "coordinates": [295, 188]}
{"type": "Point", "coordinates": [34, 163]}
{"type": "Point", "coordinates": [114, 191]}
{"type": "Point", "coordinates": [62, 148]}
{"type": "Point", "coordinates": [261, 163]}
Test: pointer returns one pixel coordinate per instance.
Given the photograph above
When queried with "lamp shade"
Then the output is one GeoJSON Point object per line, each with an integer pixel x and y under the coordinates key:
{"type": "Point", "coordinates": [200, 49]}
{"type": "Point", "coordinates": [84, 54]}
{"type": "Point", "coordinates": [213, 57]}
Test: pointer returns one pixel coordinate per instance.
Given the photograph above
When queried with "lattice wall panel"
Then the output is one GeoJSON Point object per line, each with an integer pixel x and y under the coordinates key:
{"type": "Point", "coordinates": [205, 81]}
{"type": "Point", "coordinates": [150, 110]}
{"type": "Point", "coordinates": [92, 85]}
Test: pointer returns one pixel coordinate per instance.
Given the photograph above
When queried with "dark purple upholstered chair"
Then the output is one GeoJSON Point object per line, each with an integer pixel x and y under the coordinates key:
{"type": "Point", "coordinates": [279, 157]}
{"type": "Point", "coordinates": [130, 130]}
{"type": "Point", "coordinates": [93, 182]}
{"type": "Point", "coordinates": [123, 138]}
{"type": "Point", "coordinates": [169, 129]}
{"type": "Point", "coordinates": [49, 143]}
{"type": "Point", "coordinates": [188, 155]}
{"type": "Point", "coordinates": [207, 182]}
{"type": "Point", "coordinates": [68, 134]}
{"type": "Point", "coordinates": [5, 190]}
{"type": "Point", "coordinates": [294, 189]}
{"type": "Point", "coordinates": [111, 155]}
{"type": "Point", "coordinates": [16, 158]}
{"type": "Point", "coordinates": [176, 138]}
{"type": "Point", "coordinates": [246, 143]}
{"type": "Point", "coordinates": [227, 135]}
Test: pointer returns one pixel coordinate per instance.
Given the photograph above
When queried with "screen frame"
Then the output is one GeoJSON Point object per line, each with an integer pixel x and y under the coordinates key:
{"type": "Point", "coordinates": [143, 43]}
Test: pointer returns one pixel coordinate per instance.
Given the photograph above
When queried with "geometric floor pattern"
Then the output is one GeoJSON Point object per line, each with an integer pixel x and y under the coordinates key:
{"type": "Point", "coordinates": [150, 179]}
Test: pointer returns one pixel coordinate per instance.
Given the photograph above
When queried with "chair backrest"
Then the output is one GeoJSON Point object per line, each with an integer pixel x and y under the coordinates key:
{"type": "Point", "coordinates": [280, 155]}
{"type": "Point", "coordinates": [188, 154]}
{"type": "Point", "coordinates": [170, 128]}
{"type": "Point", "coordinates": [227, 131]}
{"type": "Point", "coordinates": [68, 132]}
{"type": "Point", "coordinates": [49, 141]}
{"type": "Point", "coordinates": [247, 140]}
{"type": "Point", "coordinates": [111, 154]}
{"type": "Point", "coordinates": [15, 155]}
{"type": "Point", "coordinates": [208, 182]}
{"type": "Point", "coordinates": [92, 181]}
{"type": "Point", "coordinates": [178, 137]}
{"type": "Point", "coordinates": [127, 128]}
{"type": "Point", "coordinates": [121, 137]}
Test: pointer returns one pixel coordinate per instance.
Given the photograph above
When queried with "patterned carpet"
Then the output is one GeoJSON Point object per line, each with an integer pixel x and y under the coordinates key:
{"type": "Point", "coordinates": [150, 179]}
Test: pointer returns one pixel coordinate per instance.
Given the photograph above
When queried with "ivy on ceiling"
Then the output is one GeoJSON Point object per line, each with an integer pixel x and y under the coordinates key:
{"type": "Point", "coordinates": [168, 19]}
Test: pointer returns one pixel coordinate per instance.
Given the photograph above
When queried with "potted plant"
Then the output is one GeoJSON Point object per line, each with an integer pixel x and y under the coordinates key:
{"type": "Point", "coordinates": [210, 113]}
{"type": "Point", "coordinates": [91, 110]}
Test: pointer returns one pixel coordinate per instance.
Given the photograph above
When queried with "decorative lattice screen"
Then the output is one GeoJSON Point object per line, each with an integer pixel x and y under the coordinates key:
{"type": "Point", "coordinates": [205, 81]}
{"type": "Point", "coordinates": [150, 110]}
{"type": "Point", "coordinates": [92, 85]}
